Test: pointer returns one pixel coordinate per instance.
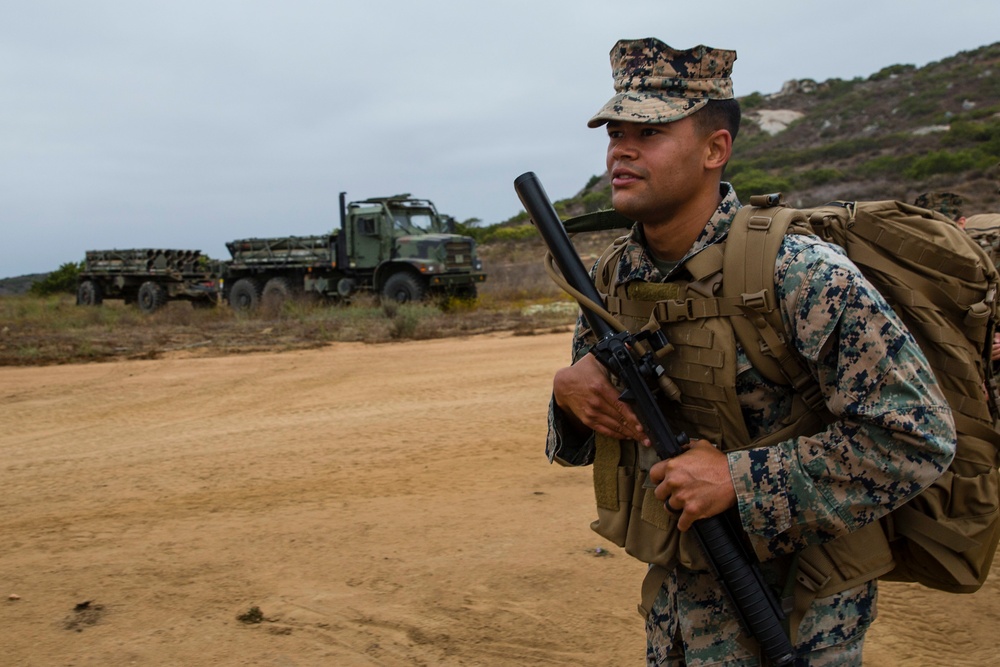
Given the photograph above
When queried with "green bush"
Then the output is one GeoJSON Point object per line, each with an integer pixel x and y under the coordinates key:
{"type": "Point", "coordinates": [926, 105]}
{"type": "Point", "coordinates": [757, 182]}
{"type": "Point", "coordinates": [890, 71]}
{"type": "Point", "coordinates": [597, 200]}
{"type": "Point", "coordinates": [61, 281]}
{"type": "Point", "coordinates": [984, 135]}
{"type": "Point", "coordinates": [469, 227]}
{"type": "Point", "coordinates": [515, 233]}
{"type": "Point", "coordinates": [883, 166]}
{"type": "Point", "coordinates": [751, 101]}
{"type": "Point", "coordinates": [813, 177]}
{"type": "Point", "coordinates": [835, 88]}
{"type": "Point", "coordinates": [948, 162]}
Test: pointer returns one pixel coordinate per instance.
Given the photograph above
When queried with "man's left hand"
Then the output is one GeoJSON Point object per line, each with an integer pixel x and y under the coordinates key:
{"type": "Point", "coordinates": [697, 483]}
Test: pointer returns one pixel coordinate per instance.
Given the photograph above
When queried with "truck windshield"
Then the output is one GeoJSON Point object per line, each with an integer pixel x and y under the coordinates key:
{"type": "Point", "coordinates": [415, 222]}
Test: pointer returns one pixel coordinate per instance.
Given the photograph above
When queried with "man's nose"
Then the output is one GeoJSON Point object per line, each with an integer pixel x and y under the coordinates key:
{"type": "Point", "coordinates": [623, 148]}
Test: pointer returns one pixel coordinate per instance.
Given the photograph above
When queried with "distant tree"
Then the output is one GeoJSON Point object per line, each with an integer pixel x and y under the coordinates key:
{"type": "Point", "coordinates": [471, 227]}
{"type": "Point", "coordinates": [597, 200]}
{"type": "Point", "coordinates": [62, 280]}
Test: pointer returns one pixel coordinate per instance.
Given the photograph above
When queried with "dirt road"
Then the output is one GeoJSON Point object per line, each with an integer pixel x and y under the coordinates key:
{"type": "Point", "coordinates": [379, 505]}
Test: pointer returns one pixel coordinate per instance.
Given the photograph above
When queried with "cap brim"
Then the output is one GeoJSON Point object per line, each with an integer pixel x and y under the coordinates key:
{"type": "Point", "coordinates": [645, 108]}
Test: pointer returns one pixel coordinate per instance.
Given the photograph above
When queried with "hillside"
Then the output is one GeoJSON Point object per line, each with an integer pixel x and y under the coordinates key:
{"type": "Point", "coordinates": [902, 131]}
{"type": "Point", "coordinates": [19, 284]}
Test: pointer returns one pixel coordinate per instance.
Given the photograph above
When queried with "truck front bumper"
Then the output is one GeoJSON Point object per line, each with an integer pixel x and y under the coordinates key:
{"type": "Point", "coordinates": [455, 279]}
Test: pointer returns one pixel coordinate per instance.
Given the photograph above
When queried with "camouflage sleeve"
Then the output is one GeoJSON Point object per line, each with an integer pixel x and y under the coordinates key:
{"type": "Point", "coordinates": [893, 432]}
{"type": "Point", "coordinates": [562, 443]}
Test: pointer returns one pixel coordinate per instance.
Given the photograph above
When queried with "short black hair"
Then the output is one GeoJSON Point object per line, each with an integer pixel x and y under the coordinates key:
{"type": "Point", "coordinates": [719, 115]}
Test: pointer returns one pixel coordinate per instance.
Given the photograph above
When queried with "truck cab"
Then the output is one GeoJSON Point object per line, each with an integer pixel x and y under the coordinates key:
{"type": "Point", "coordinates": [409, 248]}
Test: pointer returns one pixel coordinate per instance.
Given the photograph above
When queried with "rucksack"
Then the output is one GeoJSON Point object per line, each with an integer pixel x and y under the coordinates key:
{"type": "Point", "coordinates": [943, 286]}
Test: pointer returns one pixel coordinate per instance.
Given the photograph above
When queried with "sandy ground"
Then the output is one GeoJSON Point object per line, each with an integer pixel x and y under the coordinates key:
{"type": "Point", "coordinates": [380, 505]}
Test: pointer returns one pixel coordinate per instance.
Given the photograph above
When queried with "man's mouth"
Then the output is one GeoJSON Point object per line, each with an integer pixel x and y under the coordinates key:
{"type": "Point", "coordinates": [620, 177]}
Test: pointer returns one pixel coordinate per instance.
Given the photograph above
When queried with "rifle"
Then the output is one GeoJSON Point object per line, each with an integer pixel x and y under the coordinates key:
{"type": "Point", "coordinates": [631, 359]}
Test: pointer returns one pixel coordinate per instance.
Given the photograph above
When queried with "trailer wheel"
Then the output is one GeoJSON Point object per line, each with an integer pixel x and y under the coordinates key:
{"type": "Point", "coordinates": [152, 296]}
{"type": "Point", "coordinates": [402, 288]}
{"type": "Point", "coordinates": [89, 293]}
{"type": "Point", "coordinates": [276, 292]}
{"type": "Point", "coordinates": [245, 295]}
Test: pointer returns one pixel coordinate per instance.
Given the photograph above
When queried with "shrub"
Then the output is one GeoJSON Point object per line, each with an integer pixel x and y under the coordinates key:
{"type": "Point", "coordinates": [756, 181]}
{"type": "Point", "coordinates": [597, 200]}
{"type": "Point", "coordinates": [62, 280]}
{"type": "Point", "coordinates": [813, 177]}
{"type": "Point", "coordinates": [516, 233]}
{"type": "Point", "coordinates": [751, 101]}
{"type": "Point", "coordinates": [884, 165]}
{"type": "Point", "coordinates": [891, 71]}
{"type": "Point", "coordinates": [947, 162]}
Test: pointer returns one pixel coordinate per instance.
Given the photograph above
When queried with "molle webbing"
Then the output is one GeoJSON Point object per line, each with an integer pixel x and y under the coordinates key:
{"type": "Point", "coordinates": [944, 288]}
{"type": "Point", "coordinates": [757, 234]}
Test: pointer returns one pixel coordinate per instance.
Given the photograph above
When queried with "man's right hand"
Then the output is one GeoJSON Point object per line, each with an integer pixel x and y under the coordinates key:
{"type": "Point", "coordinates": [585, 393]}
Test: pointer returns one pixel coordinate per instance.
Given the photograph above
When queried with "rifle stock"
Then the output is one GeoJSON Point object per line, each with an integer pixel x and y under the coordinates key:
{"type": "Point", "coordinates": [734, 566]}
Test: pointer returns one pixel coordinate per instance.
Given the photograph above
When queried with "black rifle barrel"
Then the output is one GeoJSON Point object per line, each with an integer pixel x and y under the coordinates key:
{"type": "Point", "coordinates": [735, 568]}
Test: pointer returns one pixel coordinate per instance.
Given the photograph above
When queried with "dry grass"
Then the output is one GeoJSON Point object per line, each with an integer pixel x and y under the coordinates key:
{"type": "Point", "coordinates": [517, 297]}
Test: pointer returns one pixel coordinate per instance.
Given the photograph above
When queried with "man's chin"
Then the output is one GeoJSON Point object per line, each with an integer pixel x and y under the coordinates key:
{"type": "Point", "coordinates": [627, 207]}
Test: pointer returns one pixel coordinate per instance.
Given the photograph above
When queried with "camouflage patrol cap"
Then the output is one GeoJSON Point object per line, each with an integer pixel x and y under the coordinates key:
{"type": "Point", "coordinates": [947, 203]}
{"type": "Point", "coordinates": [655, 83]}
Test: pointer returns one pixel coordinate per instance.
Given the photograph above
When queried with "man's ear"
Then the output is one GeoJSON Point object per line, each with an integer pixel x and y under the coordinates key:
{"type": "Point", "coordinates": [719, 148]}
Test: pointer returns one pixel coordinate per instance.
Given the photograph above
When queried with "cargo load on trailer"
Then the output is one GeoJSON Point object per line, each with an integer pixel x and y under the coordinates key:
{"type": "Point", "coordinates": [148, 277]}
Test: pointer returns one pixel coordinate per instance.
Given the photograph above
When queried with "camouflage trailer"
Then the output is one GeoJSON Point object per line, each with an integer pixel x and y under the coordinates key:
{"type": "Point", "coordinates": [398, 248]}
{"type": "Point", "coordinates": [149, 278]}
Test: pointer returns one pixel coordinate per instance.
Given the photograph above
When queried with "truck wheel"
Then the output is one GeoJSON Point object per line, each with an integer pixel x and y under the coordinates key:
{"type": "Point", "coordinates": [403, 288]}
{"type": "Point", "coordinates": [276, 292]}
{"type": "Point", "coordinates": [245, 295]}
{"type": "Point", "coordinates": [89, 293]}
{"type": "Point", "coordinates": [152, 296]}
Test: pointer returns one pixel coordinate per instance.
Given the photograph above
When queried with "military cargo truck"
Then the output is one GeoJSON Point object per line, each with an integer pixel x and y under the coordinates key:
{"type": "Point", "coordinates": [398, 248]}
{"type": "Point", "coordinates": [148, 277]}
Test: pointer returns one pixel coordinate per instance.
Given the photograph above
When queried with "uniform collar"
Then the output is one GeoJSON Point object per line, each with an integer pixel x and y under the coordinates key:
{"type": "Point", "coordinates": [635, 263]}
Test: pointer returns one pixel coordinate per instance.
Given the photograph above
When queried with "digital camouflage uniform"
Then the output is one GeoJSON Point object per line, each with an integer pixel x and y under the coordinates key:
{"type": "Point", "coordinates": [655, 83]}
{"type": "Point", "coordinates": [891, 436]}
{"type": "Point", "coordinates": [947, 204]}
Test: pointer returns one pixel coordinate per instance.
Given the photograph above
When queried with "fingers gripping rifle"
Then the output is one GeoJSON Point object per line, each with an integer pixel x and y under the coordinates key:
{"type": "Point", "coordinates": [631, 360]}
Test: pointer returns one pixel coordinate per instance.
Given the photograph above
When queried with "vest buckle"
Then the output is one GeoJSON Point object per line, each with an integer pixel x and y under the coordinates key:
{"type": "Point", "coordinates": [759, 301]}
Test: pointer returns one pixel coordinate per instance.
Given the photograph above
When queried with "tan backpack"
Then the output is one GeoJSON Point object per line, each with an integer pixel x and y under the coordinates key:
{"type": "Point", "coordinates": [944, 288]}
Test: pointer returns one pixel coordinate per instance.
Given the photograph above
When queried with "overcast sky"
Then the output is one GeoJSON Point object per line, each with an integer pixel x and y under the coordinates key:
{"type": "Point", "coordinates": [188, 123]}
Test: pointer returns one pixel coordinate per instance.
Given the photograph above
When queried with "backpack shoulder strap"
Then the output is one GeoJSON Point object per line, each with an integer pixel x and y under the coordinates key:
{"type": "Point", "coordinates": [752, 247]}
{"type": "Point", "coordinates": [606, 271]}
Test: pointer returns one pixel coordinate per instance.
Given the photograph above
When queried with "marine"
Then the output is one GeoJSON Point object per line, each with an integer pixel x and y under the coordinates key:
{"type": "Point", "coordinates": [883, 430]}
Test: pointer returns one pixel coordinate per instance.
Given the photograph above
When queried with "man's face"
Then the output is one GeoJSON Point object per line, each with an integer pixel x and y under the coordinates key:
{"type": "Point", "coordinates": [655, 168]}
